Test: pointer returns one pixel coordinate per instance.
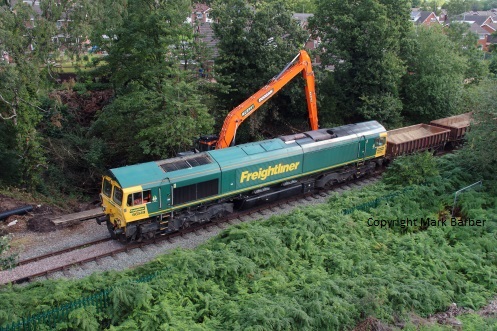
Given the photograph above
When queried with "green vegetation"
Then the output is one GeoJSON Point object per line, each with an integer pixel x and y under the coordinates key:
{"type": "Point", "coordinates": [7, 259]}
{"type": "Point", "coordinates": [315, 268]}
{"type": "Point", "coordinates": [86, 63]}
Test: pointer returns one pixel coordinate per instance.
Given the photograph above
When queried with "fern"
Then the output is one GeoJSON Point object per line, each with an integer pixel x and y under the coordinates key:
{"type": "Point", "coordinates": [83, 319]}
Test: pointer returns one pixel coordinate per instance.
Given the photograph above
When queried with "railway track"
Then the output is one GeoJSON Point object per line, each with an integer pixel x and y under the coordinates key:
{"type": "Point", "coordinates": [116, 248]}
{"type": "Point", "coordinates": [62, 251]}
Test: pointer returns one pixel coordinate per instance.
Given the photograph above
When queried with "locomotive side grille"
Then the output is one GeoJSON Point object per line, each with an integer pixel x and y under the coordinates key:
{"type": "Point", "coordinates": [184, 194]}
{"type": "Point", "coordinates": [207, 189]}
{"type": "Point", "coordinates": [196, 191]}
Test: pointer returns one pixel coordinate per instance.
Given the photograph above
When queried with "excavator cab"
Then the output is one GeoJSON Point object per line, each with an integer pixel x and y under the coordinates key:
{"type": "Point", "coordinates": [207, 142]}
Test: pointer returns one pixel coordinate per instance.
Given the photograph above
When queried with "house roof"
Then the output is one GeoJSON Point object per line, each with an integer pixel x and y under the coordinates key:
{"type": "Point", "coordinates": [487, 13]}
{"type": "Point", "coordinates": [207, 36]}
{"type": "Point", "coordinates": [200, 7]}
{"type": "Point", "coordinates": [420, 16]}
{"type": "Point", "coordinates": [492, 26]}
{"type": "Point", "coordinates": [472, 17]}
{"type": "Point", "coordinates": [302, 18]}
{"type": "Point", "coordinates": [478, 29]}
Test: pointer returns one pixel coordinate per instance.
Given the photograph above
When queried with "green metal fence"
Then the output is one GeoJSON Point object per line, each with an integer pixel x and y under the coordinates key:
{"type": "Point", "coordinates": [374, 203]}
{"type": "Point", "coordinates": [50, 318]}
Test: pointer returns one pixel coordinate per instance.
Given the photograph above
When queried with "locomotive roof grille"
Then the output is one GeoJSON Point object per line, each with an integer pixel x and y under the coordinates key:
{"type": "Point", "coordinates": [185, 163]}
{"type": "Point", "coordinates": [337, 133]}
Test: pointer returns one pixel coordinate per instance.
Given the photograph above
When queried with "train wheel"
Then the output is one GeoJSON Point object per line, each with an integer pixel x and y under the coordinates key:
{"type": "Point", "coordinates": [330, 184]}
{"type": "Point", "coordinates": [187, 224]}
{"type": "Point", "coordinates": [220, 214]}
{"type": "Point", "coordinates": [110, 227]}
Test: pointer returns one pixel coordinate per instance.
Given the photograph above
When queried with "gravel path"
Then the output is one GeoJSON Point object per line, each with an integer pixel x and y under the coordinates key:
{"type": "Point", "coordinates": [35, 244]}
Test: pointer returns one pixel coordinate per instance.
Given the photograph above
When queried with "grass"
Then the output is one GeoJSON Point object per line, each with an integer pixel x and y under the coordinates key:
{"type": "Point", "coordinates": [67, 65]}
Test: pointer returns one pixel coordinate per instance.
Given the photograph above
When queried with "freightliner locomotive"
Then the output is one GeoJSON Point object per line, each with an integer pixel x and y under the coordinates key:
{"type": "Point", "coordinates": [143, 200]}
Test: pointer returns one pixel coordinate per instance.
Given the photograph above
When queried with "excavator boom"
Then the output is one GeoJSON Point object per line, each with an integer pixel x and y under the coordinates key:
{"type": "Point", "coordinates": [301, 63]}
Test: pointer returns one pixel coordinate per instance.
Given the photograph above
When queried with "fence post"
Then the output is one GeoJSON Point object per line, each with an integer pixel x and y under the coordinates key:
{"type": "Point", "coordinates": [480, 182]}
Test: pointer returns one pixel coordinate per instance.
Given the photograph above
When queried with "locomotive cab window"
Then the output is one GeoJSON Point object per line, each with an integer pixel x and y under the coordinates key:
{"type": "Point", "coordinates": [107, 189]}
{"type": "Point", "coordinates": [118, 195]}
{"type": "Point", "coordinates": [381, 141]}
{"type": "Point", "coordinates": [139, 198]}
{"type": "Point", "coordinates": [147, 196]}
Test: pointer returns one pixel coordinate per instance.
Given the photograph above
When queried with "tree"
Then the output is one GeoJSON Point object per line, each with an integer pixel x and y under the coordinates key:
{"type": "Point", "coordinates": [74, 21]}
{"type": "Point", "coordinates": [256, 41]}
{"type": "Point", "coordinates": [25, 41]}
{"type": "Point", "coordinates": [492, 66]}
{"type": "Point", "coordinates": [158, 108]}
{"type": "Point", "coordinates": [433, 88]}
{"type": "Point", "coordinates": [479, 155]}
{"type": "Point", "coordinates": [431, 6]}
{"type": "Point", "coordinates": [363, 42]}
{"type": "Point", "coordinates": [456, 7]}
{"type": "Point", "coordinates": [489, 4]}
{"type": "Point", "coordinates": [465, 43]}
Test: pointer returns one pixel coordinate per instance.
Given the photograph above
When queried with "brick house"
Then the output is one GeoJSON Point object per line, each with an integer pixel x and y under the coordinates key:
{"type": "Point", "coordinates": [420, 17]}
{"type": "Point", "coordinates": [482, 24]}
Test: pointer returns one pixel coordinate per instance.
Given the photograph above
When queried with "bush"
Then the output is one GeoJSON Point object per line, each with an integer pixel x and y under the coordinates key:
{"type": "Point", "coordinates": [409, 170]}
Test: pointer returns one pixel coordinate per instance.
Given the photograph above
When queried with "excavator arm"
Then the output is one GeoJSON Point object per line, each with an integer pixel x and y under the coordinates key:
{"type": "Point", "coordinates": [301, 63]}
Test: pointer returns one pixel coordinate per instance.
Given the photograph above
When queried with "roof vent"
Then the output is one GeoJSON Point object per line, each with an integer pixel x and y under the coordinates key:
{"type": "Point", "coordinates": [185, 163]}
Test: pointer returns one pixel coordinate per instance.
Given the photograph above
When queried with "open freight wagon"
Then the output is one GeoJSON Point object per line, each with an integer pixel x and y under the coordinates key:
{"type": "Point", "coordinates": [416, 138]}
{"type": "Point", "coordinates": [458, 126]}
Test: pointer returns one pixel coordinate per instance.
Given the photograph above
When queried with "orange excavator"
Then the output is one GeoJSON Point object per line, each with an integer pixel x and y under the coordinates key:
{"type": "Point", "coordinates": [301, 63]}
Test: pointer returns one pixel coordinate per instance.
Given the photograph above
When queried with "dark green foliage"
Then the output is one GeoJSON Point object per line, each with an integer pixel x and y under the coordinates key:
{"type": "Point", "coordinates": [9, 160]}
{"type": "Point", "coordinates": [456, 7]}
{"type": "Point", "coordinates": [409, 170]}
{"type": "Point", "coordinates": [479, 156]}
{"type": "Point", "coordinates": [492, 66]}
{"type": "Point", "coordinates": [364, 42]}
{"type": "Point", "coordinates": [159, 108]}
{"type": "Point", "coordinates": [433, 88]}
{"type": "Point", "coordinates": [77, 157]}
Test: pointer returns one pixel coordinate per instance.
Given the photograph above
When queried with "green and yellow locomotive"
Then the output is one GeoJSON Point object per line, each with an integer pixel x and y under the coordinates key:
{"type": "Point", "coordinates": [143, 200]}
